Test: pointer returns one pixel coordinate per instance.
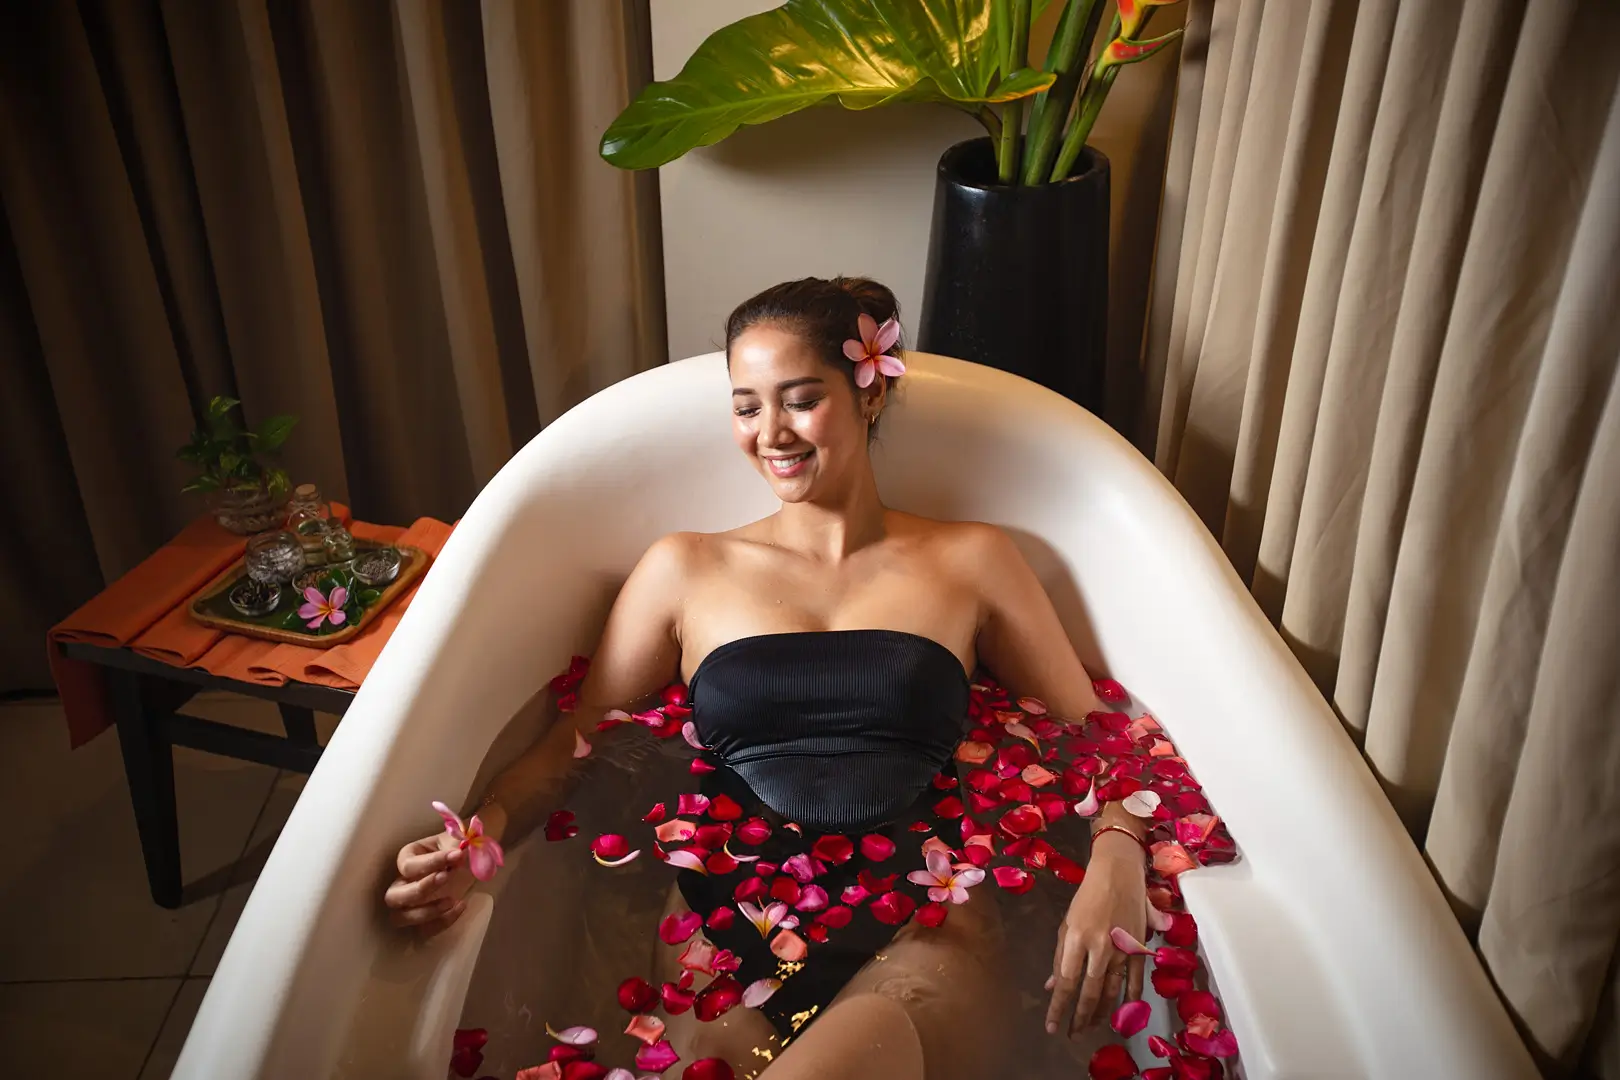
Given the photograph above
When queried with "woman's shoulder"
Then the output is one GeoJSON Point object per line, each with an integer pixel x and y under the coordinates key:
{"type": "Point", "coordinates": [972, 539]}
{"type": "Point", "coordinates": [687, 552]}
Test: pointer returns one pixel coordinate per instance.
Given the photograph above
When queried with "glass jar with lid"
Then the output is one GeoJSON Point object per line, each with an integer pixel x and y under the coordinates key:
{"type": "Point", "coordinates": [273, 558]}
{"type": "Point", "coordinates": [338, 544]}
{"type": "Point", "coordinates": [307, 518]}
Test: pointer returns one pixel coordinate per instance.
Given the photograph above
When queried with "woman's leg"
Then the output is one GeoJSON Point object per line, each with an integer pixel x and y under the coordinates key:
{"type": "Point", "coordinates": [742, 1036]}
{"type": "Point", "coordinates": [934, 1004]}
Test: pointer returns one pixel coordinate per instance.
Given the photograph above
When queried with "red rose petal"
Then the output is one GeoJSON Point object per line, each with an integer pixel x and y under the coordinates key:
{"type": "Point", "coordinates": [892, 908]}
{"type": "Point", "coordinates": [931, 914]}
{"type": "Point", "coordinates": [980, 803]}
{"type": "Point", "coordinates": [837, 917]}
{"type": "Point", "coordinates": [657, 1056]}
{"type": "Point", "coordinates": [637, 995]}
{"type": "Point", "coordinates": [721, 918]}
{"type": "Point", "coordinates": [1222, 1045]}
{"type": "Point", "coordinates": [610, 846]}
{"type": "Point", "coordinates": [1066, 870]}
{"type": "Point", "coordinates": [699, 767]}
{"type": "Point", "coordinates": [1015, 879]}
{"type": "Point", "coordinates": [708, 1069]}
{"type": "Point", "coordinates": [1170, 984]}
{"type": "Point", "coordinates": [712, 837]}
{"type": "Point", "coordinates": [1112, 1062]}
{"type": "Point", "coordinates": [720, 863]}
{"type": "Point", "coordinates": [1022, 820]}
{"type": "Point", "coordinates": [874, 884]}
{"type": "Point", "coordinates": [676, 928]}
{"type": "Point", "coordinates": [560, 825]}
{"type": "Point", "coordinates": [949, 808]}
{"type": "Point", "coordinates": [751, 888]}
{"type": "Point", "coordinates": [942, 782]}
{"type": "Point", "coordinates": [816, 933]}
{"type": "Point", "coordinates": [656, 815]}
{"type": "Point", "coordinates": [674, 694]}
{"type": "Point", "coordinates": [785, 889]}
{"type": "Point", "coordinates": [876, 848]}
{"type": "Point", "coordinates": [1130, 1017]}
{"type": "Point", "coordinates": [1197, 1003]}
{"type": "Point", "coordinates": [834, 849]}
{"type": "Point", "coordinates": [754, 831]}
{"type": "Point", "coordinates": [1110, 691]}
{"type": "Point", "coordinates": [920, 826]}
{"type": "Point", "coordinates": [677, 999]}
{"type": "Point", "coordinates": [716, 999]}
{"type": "Point", "coordinates": [1159, 1047]}
{"type": "Point", "coordinates": [724, 808]}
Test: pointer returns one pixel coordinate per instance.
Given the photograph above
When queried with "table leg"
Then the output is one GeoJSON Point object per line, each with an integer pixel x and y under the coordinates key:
{"type": "Point", "coordinates": [149, 767]}
{"type": "Point", "coordinates": [299, 722]}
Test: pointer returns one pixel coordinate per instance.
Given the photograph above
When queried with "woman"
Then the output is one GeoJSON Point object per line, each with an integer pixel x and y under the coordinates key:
{"type": "Point", "coordinates": [827, 649]}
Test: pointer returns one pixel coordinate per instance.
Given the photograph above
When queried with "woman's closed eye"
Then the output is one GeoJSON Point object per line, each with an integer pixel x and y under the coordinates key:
{"type": "Point", "coordinates": [795, 406]}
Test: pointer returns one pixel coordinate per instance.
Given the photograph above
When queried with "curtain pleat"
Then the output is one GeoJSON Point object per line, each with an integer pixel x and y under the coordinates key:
{"type": "Point", "coordinates": [1385, 338]}
{"type": "Point", "coordinates": [386, 218]}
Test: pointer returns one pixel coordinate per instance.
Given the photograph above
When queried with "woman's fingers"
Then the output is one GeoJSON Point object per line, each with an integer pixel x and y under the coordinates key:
{"type": "Point", "coordinates": [1091, 987]}
{"type": "Point", "coordinates": [1070, 959]}
{"type": "Point", "coordinates": [408, 894]}
{"type": "Point", "coordinates": [445, 921]}
{"type": "Point", "coordinates": [423, 914]}
{"type": "Point", "coordinates": [424, 857]}
{"type": "Point", "coordinates": [1135, 967]}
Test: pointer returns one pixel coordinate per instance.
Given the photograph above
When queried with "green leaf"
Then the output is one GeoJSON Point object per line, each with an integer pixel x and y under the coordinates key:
{"type": "Point", "coordinates": [278, 481]}
{"type": "Point", "coordinates": [367, 597]}
{"type": "Point", "coordinates": [860, 53]}
{"type": "Point", "coordinates": [220, 406]}
{"type": "Point", "coordinates": [205, 482]}
{"type": "Point", "coordinates": [1022, 83]}
{"type": "Point", "coordinates": [274, 431]}
{"type": "Point", "coordinates": [230, 463]}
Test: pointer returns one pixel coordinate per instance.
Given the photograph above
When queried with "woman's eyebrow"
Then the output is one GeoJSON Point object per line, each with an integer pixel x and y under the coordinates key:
{"type": "Point", "coordinates": [742, 391]}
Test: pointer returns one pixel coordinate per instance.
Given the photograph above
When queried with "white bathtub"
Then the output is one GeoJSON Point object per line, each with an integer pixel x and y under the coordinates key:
{"type": "Point", "coordinates": [1333, 950]}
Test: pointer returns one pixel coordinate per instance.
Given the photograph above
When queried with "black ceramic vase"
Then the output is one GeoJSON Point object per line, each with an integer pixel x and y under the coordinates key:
{"type": "Point", "coordinates": [1018, 276]}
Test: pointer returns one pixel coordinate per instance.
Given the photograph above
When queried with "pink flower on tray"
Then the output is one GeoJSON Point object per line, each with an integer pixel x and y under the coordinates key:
{"type": "Point", "coordinates": [871, 352]}
{"type": "Point", "coordinates": [318, 608]}
{"type": "Point", "coordinates": [484, 855]}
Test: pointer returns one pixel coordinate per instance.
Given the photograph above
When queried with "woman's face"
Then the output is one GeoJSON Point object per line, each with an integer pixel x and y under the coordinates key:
{"type": "Point", "coordinates": [799, 421]}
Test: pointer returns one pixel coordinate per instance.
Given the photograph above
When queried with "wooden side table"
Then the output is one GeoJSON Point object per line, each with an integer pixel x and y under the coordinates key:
{"type": "Point", "coordinates": [146, 695]}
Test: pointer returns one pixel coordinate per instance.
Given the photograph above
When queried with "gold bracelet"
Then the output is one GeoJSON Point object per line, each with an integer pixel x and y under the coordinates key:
{"type": "Point", "coordinates": [1122, 830]}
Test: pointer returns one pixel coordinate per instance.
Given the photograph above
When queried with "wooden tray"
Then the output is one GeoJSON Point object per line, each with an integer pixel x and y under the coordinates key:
{"type": "Point", "coordinates": [212, 607]}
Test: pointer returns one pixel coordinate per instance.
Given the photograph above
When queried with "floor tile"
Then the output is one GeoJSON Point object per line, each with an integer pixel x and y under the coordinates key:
{"type": "Point", "coordinates": [170, 1041]}
{"type": "Point", "coordinates": [88, 1029]}
{"type": "Point", "coordinates": [74, 876]}
{"type": "Point", "coordinates": [283, 795]}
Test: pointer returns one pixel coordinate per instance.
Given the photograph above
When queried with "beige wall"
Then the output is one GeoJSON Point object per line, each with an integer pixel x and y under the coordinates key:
{"type": "Point", "coordinates": [830, 191]}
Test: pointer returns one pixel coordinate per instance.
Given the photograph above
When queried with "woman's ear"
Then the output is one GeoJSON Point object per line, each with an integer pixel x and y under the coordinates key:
{"type": "Point", "coordinates": [875, 397]}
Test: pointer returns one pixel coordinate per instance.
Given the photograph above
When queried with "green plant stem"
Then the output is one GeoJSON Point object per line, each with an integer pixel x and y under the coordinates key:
{"type": "Point", "coordinates": [1091, 103]}
{"type": "Point", "coordinates": [992, 123]}
{"type": "Point", "coordinates": [1071, 47]}
{"type": "Point", "coordinates": [1090, 106]}
{"type": "Point", "coordinates": [1013, 117]}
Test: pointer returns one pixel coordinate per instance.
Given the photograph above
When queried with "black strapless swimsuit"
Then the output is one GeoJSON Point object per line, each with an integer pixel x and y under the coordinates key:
{"type": "Point", "coordinates": [842, 733]}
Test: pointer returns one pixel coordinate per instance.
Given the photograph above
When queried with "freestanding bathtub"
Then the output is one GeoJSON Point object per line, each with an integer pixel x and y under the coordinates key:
{"type": "Point", "coordinates": [1333, 950]}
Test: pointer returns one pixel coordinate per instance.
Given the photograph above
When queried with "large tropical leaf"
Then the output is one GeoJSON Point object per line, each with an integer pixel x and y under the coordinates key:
{"type": "Point", "coordinates": [858, 52]}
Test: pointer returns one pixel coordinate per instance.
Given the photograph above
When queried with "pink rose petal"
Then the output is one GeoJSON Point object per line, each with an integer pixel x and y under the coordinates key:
{"type": "Point", "coordinates": [1130, 1017]}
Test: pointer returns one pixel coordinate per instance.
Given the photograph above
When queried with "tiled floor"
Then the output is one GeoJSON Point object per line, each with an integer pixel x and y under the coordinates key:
{"type": "Point", "coordinates": [95, 979]}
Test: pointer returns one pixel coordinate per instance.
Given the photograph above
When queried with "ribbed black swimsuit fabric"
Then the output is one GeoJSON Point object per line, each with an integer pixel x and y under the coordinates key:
{"type": "Point", "coordinates": [844, 732]}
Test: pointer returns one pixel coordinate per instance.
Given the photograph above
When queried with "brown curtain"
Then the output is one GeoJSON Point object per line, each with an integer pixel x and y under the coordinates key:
{"type": "Point", "coordinates": [1382, 364]}
{"type": "Point", "coordinates": [386, 217]}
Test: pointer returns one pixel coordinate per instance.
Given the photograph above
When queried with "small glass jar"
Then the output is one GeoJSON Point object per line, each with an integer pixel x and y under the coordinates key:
{"type": "Point", "coordinates": [254, 598]}
{"type": "Point", "coordinates": [337, 543]}
{"type": "Point", "coordinates": [378, 566]}
{"type": "Point", "coordinates": [274, 557]}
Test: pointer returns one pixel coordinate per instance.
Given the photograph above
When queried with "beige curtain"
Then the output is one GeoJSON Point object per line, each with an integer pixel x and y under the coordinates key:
{"type": "Point", "coordinates": [388, 218]}
{"type": "Point", "coordinates": [1382, 366]}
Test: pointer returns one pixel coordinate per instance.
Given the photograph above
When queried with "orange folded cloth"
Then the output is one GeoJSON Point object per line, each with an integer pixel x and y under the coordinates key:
{"type": "Point", "coordinates": [146, 610]}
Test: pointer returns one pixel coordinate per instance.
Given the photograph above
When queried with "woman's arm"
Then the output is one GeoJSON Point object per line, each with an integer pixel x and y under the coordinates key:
{"type": "Point", "coordinates": [639, 654]}
{"type": "Point", "coordinates": [1022, 641]}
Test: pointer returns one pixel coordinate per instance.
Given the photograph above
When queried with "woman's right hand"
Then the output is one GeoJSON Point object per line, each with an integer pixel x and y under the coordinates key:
{"type": "Point", "coordinates": [433, 880]}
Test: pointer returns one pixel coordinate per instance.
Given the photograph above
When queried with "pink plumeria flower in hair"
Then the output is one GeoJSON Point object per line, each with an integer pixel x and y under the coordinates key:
{"type": "Point", "coordinates": [871, 352]}
{"type": "Point", "coordinates": [484, 855]}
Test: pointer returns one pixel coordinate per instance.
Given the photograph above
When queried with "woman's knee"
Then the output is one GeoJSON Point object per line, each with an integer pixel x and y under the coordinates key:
{"type": "Point", "coordinates": [865, 1035]}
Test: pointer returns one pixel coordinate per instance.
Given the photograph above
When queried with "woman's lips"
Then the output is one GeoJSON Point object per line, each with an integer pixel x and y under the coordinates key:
{"type": "Point", "coordinates": [789, 465]}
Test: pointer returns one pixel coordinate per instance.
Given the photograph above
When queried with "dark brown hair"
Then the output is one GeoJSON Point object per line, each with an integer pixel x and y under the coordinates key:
{"type": "Point", "coordinates": [823, 311]}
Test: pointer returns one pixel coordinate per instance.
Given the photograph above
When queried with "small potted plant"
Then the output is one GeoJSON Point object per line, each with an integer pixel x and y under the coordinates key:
{"type": "Point", "coordinates": [244, 488]}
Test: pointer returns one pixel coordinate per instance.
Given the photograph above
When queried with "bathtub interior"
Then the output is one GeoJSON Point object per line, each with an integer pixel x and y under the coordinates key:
{"type": "Point", "coordinates": [314, 983]}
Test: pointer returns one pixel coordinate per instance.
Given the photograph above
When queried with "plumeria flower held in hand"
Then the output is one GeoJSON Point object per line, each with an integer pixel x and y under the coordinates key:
{"type": "Point", "coordinates": [871, 352]}
{"type": "Point", "coordinates": [319, 608]}
{"type": "Point", "coordinates": [944, 881]}
{"type": "Point", "coordinates": [484, 855]}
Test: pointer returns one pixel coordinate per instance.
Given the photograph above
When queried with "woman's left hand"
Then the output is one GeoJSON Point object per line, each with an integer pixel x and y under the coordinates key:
{"type": "Point", "coordinates": [1088, 973]}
